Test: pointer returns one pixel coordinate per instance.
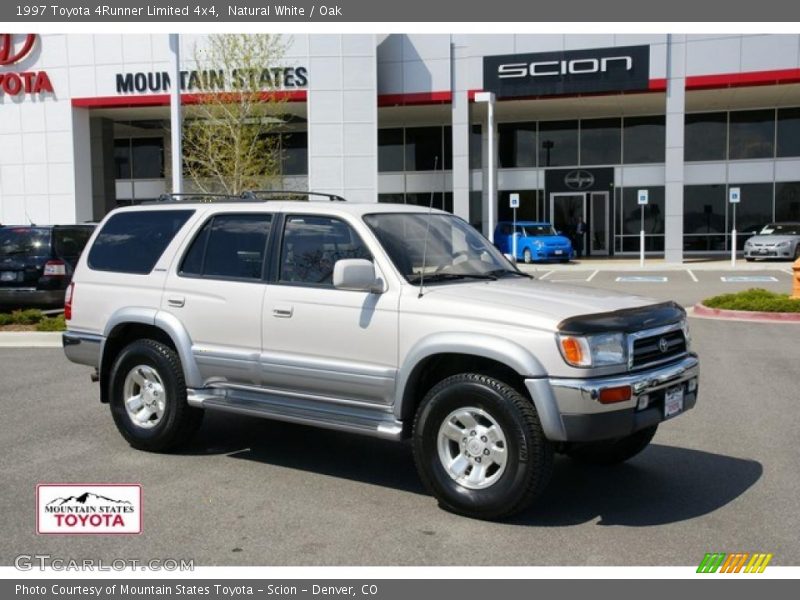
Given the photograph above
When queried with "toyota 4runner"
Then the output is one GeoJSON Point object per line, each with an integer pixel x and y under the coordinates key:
{"type": "Point", "coordinates": [385, 320]}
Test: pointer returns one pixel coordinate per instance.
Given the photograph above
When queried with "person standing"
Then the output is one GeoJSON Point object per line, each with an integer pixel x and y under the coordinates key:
{"type": "Point", "coordinates": [580, 236]}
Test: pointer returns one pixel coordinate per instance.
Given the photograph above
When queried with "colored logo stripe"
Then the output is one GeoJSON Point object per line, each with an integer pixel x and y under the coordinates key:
{"type": "Point", "coordinates": [734, 563]}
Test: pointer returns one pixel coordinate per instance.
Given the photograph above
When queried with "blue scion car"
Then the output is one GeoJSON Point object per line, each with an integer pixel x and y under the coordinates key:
{"type": "Point", "coordinates": [535, 241]}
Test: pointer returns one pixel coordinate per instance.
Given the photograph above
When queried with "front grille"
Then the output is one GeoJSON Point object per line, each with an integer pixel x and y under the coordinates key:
{"type": "Point", "coordinates": [651, 349]}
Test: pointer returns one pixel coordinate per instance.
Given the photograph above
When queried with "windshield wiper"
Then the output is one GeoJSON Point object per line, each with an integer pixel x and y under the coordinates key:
{"type": "Point", "coordinates": [503, 272]}
{"type": "Point", "coordinates": [453, 277]}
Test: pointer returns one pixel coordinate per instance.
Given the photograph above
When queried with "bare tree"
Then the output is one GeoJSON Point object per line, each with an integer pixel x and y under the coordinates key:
{"type": "Point", "coordinates": [230, 140]}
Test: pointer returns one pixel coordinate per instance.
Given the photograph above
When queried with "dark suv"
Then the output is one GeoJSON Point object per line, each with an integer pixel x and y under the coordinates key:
{"type": "Point", "coordinates": [36, 263]}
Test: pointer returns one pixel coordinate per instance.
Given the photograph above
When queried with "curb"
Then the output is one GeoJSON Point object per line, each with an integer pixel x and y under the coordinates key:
{"type": "Point", "coordinates": [701, 310]}
{"type": "Point", "coordinates": [30, 339]}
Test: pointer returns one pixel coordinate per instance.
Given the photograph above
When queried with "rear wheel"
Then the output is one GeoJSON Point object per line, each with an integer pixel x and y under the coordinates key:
{"type": "Point", "coordinates": [527, 256]}
{"type": "Point", "coordinates": [610, 452]}
{"type": "Point", "coordinates": [148, 397]}
{"type": "Point", "coordinates": [748, 259]}
{"type": "Point", "coordinates": [479, 447]}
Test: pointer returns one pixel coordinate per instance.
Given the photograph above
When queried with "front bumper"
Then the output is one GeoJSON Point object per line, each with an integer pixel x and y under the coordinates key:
{"type": "Point", "coordinates": [570, 412]}
{"type": "Point", "coordinates": [83, 348]}
{"type": "Point", "coordinates": [768, 253]}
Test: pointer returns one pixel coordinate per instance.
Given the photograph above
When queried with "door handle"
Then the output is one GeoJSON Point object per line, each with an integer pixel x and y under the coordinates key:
{"type": "Point", "coordinates": [176, 301]}
{"type": "Point", "coordinates": [283, 311]}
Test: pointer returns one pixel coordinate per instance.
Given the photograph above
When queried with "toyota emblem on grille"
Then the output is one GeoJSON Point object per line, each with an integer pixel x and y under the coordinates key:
{"type": "Point", "coordinates": [663, 345]}
{"type": "Point", "coordinates": [579, 180]}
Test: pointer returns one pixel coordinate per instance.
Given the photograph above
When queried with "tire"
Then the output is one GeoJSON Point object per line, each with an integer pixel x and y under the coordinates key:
{"type": "Point", "coordinates": [172, 421]}
{"type": "Point", "coordinates": [612, 452]}
{"type": "Point", "coordinates": [527, 257]}
{"type": "Point", "coordinates": [527, 455]}
{"type": "Point", "coordinates": [749, 259]}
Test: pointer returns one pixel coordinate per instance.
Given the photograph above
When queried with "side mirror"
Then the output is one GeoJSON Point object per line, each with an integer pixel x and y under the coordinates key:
{"type": "Point", "coordinates": [356, 275]}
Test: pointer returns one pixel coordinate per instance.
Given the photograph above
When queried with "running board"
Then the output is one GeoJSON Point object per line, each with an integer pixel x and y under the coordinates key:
{"type": "Point", "coordinates": [376, 422]}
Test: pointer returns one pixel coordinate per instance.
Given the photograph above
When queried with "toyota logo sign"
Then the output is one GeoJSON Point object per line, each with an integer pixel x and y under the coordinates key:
{"type": "Point", "coordinates": [11, 52]}
{"type": "Point", "coordinates": [579, 180]}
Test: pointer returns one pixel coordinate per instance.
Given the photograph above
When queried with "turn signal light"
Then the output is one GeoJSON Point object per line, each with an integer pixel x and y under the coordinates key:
{"type": "Point", "coordinates": [615, 394]}
{"type": "Point", "coordinates": [574, 351]}
{"type": "Point", "coordinates": [68, 302]}
{"type": "Point", "coordinates": [55, 268]}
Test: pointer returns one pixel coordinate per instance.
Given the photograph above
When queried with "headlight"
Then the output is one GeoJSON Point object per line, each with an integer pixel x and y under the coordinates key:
{"type": "Point", "coordinates": [538, 244]}
{"type": "Point", "coordinates": [686, 334]}
{"type": "Point", "coordinates": [782, 244]}
{"type": "Point", "coordinates": [600, 350]}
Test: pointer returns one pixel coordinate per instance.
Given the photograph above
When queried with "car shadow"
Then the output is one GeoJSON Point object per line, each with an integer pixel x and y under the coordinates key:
{"type": "Point", "coordinates": [662, 485]}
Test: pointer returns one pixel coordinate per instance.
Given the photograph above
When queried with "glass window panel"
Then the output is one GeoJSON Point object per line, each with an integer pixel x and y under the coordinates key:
{"type": "Point", "coordinates": [601, 141]}
{"type": "Point", "coordinates": [390, 150]}
{"type": "Point", "coordinates": [558, 143]}
{"type": "Point", "coordinates": [475, 147]}
{"type": "Point", "coordinates": [753, 211]}
{"type": "Point", "coordinates": [392, 198]}
{"type": "Point", "coordinates": [643, 140]}
{"type": "Point", "coordinates": [789, 132]}
{"type": "Point", "coordinates": [517, 145]}
{"type": "Point", "coordinates": [752, 133]}
{"type": "Point", "coordinates": [448, 149]}
{"type": "Point", "coordinates": [423, 145]}
{"type": "Point", "coordinates": [787, 201]}
{"type": "Point", "coordinates": [705, 136]}
{"type": "Point", "coordinates": [148, 158]}
{"type": "Point", "coordinates": [653, 212]}
{"type": "Point", "coordinates": [295, 153]}
{"type": "Point", "coordinates": [122, 158]}
{"type": "Point", "coordinates": [704, 209]}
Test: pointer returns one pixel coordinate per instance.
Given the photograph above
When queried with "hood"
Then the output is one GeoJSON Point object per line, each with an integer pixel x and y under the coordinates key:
{"type": "Point", "coordinates": [772, 239]}
{"type": "Point", "coordinates": [527, 301]}
{"type": "Point", "coordinates": [552, 240]}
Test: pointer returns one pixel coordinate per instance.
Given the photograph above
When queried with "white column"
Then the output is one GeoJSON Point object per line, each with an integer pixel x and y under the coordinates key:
{"type": "Point", "coordinates": [176, 133]}
{"type": "Point", "coordinates": [459, 73]}
{"type": "Point", "coordinates": [673, 175]}
{"type": "Point", "coordinates": [489, 166]}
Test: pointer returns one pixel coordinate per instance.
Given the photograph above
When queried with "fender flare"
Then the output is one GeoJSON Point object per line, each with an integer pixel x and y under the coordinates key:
{"type": "Point", "coordinates": [170, 325]}
{"type": "Point", "coordinates": [484, 345]}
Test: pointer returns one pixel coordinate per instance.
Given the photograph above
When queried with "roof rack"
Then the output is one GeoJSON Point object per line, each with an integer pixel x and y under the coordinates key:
{"type": "Point", "coordinates": [253, 195]}
{"type": "Point", "coordinates": [193, 197]}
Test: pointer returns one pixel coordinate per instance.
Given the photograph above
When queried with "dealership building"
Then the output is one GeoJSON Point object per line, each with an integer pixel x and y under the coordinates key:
{"type": "Point", "coordinates": [577, 125]}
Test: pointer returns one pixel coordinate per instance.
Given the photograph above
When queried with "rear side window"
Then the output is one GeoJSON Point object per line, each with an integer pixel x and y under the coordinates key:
{"type": "Point", "coordinates": [229, 247]}
{"type": "Point", "coordinates": [70, 242]}
{"type": "Point", "coordinates": [132, 242]}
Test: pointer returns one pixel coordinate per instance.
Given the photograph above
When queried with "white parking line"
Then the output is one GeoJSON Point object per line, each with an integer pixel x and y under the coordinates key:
{"type": "Point", "coordinates": [592, 275]}
{"type": "Point", "coordinates": [747, 278]}
{"type": "Point", "coordinates": [546, 275]}
{"type": "Point", "coordinates": [786, 271]}
{"type": "Point", "coordinates": [642, 279]}
{"type": "Point", "coordinates": [692, 275]}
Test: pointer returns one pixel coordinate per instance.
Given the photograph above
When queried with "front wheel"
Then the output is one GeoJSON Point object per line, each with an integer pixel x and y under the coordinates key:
{"type": "Point", "coordinates": [527, 256]}
{"type": "Point", "coordinates": [479, 447]}
{"type": "Point", "coordinates": [148, 397]}
{"type": "Point", "coordinates": [611, 452]}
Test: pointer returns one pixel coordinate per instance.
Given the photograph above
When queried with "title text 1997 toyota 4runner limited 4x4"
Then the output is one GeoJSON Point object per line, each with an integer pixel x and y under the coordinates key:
{"type": "Point", "coordinates": [385, 320]}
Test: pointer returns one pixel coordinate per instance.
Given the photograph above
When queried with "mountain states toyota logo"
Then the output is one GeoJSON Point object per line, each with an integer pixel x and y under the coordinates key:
{"type": "Point", "coordinates": [11, 52]}
{"type": "Point", "coordinates": [92, 508]}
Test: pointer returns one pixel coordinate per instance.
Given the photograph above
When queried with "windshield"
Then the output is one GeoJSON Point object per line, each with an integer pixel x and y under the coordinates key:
{"type": "Point", "coordinates": [537, 230]}
{"type": "Point", "coordinates": [454, 250]}
{"type": "Point", "coordinates": [781, 229]}
{"type": "Point", "coordinates": [27, 241]}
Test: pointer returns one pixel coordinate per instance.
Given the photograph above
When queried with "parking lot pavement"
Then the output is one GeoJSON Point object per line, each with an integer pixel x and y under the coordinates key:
{"type": "Point", "coordinates": [686, 285]}
{"type": "Point", "coordinates": [722, 477]}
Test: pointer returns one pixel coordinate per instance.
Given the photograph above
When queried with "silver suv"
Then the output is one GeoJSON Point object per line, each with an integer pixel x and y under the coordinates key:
{"type": "Point", "coordinates": [385, 320]}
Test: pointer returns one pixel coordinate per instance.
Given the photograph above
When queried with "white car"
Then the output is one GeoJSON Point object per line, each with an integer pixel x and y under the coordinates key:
{"type": "Point", "coordinates": [776, 240]}
{"type": "Point", "coordinates": [384, 320]}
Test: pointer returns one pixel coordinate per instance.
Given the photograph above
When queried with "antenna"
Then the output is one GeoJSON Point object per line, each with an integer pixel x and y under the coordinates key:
{"type": "Point", "coordinates": [427, 231]}
{"type": "Point", "coordinates": [27, 216]}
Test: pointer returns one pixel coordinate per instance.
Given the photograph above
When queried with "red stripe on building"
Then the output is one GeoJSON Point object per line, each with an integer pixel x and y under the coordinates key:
{"type": "Point", "coordinates": [163, 99]}
{"type": "Point", "coordinates": [750, 78]}
{"type": "Point", "coordinates": [415, 99]}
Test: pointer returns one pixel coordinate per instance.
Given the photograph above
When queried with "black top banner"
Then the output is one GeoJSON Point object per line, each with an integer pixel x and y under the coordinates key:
{"type": "Point", "coordinates": [567, 72]}
{"type": "Point", "coordinates": [264, 11]}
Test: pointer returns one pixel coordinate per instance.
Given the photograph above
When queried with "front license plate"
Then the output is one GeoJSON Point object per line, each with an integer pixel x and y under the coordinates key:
{"type": "Point", "coordinates": [673, 402]}
{"type": "Point", "coordinates": [559, 252]}
{"type": "Point", "coordinates": [8, 275]}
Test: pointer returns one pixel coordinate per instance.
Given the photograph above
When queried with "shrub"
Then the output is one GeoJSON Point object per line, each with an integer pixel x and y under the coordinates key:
{"type": "Point", "coordinates": [52, 324]}
{"type": "Point", "coordinates": [29, 316]}
{"type": "Point", "coordinates": [5, 319]}
{"type": "Point", "coordinates": [755, 299]}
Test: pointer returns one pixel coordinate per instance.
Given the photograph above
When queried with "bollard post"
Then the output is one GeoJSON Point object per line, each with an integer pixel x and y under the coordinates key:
{"type": "Point", "coordinates": [796, 282]}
